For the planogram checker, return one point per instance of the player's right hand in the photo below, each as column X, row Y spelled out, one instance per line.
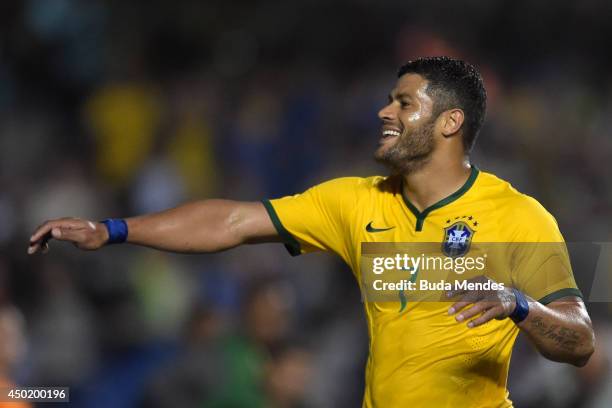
column 87, row 235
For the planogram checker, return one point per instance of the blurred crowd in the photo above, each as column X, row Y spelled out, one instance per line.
column 111, row 109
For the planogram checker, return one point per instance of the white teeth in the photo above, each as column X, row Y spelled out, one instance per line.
column 390, row 133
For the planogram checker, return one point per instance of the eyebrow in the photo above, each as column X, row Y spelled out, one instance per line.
column 402, row 95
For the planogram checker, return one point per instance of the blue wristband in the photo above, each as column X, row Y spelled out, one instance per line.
column 117, row 230
column 522, row 307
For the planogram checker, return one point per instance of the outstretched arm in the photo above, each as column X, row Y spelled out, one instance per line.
column 196, row 227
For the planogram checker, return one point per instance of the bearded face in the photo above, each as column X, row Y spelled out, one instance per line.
column 407, row 133
column 409, row 151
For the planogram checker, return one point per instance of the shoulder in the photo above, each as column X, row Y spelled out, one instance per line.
column 519, row 209
column 518, row 203
column 358, row 185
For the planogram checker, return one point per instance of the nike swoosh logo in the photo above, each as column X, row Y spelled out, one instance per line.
column 370, row 228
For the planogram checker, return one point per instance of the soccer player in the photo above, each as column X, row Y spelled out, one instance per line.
column 427, row 354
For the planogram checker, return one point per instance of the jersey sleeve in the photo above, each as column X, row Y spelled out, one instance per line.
column 541, row 265
column 318, row 219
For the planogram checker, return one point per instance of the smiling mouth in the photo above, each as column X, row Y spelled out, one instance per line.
column 389, row 134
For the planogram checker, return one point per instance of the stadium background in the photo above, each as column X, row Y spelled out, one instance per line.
column 111, row 108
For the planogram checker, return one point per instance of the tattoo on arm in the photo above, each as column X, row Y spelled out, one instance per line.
column 566, row 338
column 507, row 299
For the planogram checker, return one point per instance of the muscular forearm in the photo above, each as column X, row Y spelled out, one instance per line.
column 201, row 226
column 561, row 332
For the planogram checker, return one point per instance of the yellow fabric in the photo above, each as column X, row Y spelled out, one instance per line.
column 420, row 356
column 123, row 119
column 192, row 151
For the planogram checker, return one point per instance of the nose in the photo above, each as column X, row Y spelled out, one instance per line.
column 386, row 113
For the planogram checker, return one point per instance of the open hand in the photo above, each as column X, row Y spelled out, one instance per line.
column 486, row 304
column 83, row 234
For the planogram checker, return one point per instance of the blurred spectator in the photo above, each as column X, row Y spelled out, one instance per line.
column 287, row 377
column 62, row 331
column 124, row 119
column 12, row 348
column 221, row 369
column 189, row 379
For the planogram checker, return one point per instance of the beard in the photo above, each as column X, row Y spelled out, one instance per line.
column 410, row 151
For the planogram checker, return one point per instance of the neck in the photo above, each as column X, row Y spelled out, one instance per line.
column 436, row 180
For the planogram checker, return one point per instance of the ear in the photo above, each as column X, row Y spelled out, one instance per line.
column 452, row 121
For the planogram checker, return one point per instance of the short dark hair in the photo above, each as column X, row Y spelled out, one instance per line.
column 453, row 84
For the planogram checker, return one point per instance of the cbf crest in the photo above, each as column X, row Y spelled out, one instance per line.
column 457, row 239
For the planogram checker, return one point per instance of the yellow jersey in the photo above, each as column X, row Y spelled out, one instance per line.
column 418, row 354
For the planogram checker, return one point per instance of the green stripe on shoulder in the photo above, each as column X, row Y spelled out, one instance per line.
column 292, row 245
column 561, row 294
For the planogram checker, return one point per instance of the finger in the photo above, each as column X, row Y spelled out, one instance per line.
column 44, row 243
column 45, row 231
column 42, row 231
column 33, row 248
column 476, row 309
column 40, row 244
column 467, row 299
column 485, row 317
column 67, row 232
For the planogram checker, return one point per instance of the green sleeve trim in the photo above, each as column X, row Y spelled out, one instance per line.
column 561, row 294
column 292, row 245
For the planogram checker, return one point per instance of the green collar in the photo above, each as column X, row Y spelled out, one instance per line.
column 420, row 215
